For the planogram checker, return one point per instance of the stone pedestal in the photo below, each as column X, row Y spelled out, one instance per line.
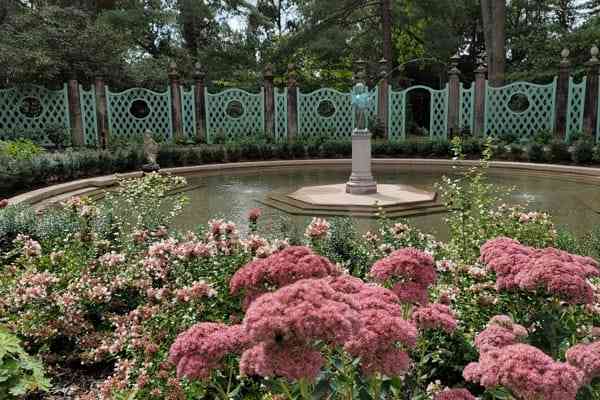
column 361, row 181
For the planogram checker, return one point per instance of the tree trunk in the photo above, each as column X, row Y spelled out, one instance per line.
column 386, row 30
column 499, row 42
column 493, row 17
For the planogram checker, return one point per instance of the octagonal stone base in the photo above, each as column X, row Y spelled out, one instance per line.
column 333, row 200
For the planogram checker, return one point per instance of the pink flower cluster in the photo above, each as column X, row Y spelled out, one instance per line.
column 586, row 357
column 556, row 272
column 254, row 214
column 33, row 286
column 526, row 371
column 435, row 316
column 384, row 336
column 500, row 332
column 3, row 203
column 410, row 271
column 196, row 291
column 31, row 248
column 454, row 394
column 317, row 229
column 200, row 349
column 111, row 259
column 280, row 269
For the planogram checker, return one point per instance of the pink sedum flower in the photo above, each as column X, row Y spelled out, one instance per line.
column 553, row 271
column 292, row 362
column 454, row 394
column 435, row 316
column 586, row 357
column 410, row 271
column 527, row 372
column 302, row 312
column 201, row 349
column 278, row 270
column 500, row 332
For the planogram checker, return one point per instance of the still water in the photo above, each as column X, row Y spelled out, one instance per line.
column 230, row 195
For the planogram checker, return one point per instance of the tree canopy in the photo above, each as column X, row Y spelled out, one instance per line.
column 131, row 42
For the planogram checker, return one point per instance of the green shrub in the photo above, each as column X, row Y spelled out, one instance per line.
column 536, row 153
column 298, row 150
column 234, row 153
column 441, row 148
column 515, row 152
column 250, row 151
column 58, row 135
column 20, row 149
column 281, row 151
column 543, row 137
column 379, row 149
column 313, row 150
column 337, row 148
column 559, row 151
column 20, row 374
column 583, row 151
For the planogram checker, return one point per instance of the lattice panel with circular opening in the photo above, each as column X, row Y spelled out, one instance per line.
column 219, row 123
column 575, row 107
column 342, row 121
column 539, row 116
column 54, row 111
column 188, row 112
column 467, row 107
column 122, row 123
column 281, row 113
column 311, row 123
column 87, row 102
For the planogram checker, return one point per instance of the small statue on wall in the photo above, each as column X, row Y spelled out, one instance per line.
column 150, row 153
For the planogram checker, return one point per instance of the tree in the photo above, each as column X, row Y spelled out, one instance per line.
column 493, row 16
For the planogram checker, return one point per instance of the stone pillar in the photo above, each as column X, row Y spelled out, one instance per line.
column 454, row 97
column 590, row 114
column 75, row 113
column 101, row 111
column 480, row 91
column 200, row 100
column 175, row 101
column 383, row 99
column 292, row 102
column 361, row 180
column 269, row 94
column 562, row 95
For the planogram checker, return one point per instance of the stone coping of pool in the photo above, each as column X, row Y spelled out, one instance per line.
column 585, row 174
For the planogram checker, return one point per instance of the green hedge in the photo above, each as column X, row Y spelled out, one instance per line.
column 48, row 168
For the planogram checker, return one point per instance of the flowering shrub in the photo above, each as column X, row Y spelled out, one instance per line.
column 213, row 314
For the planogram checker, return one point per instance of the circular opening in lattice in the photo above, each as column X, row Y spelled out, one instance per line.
column 235, row 109
column 139, row 109
column 326, row 109
column 518, row 103
column 31, row 107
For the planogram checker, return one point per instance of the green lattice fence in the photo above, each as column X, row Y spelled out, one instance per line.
column 87, row 101
column 329, row 112
column 29, row 110
column 467, row 108
column 575, row 107
column 156, row 116
column 335, row 118
column 438, row 119
column 397, row 114
column 281, row 112
column 536, row 113
column 188, row 112
column 234, row 113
